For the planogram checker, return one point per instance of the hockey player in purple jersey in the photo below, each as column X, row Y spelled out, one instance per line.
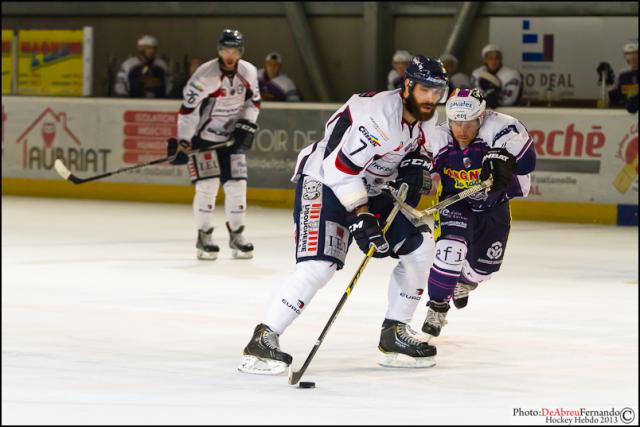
column 471, row 235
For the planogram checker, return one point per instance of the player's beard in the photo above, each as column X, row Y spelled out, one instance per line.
column 414, row 108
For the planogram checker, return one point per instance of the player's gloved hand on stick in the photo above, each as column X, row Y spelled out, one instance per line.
column 243, row 134
column 366, row 230
column 177, row 151
column 604, row 69
column 501, row 164
column 414, row 171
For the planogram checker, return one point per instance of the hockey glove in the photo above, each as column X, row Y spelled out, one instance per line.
column 366, row 230
column 414, row 171
column 604, row 69
column 243, row 134
column 500, row 164
column 177, row 151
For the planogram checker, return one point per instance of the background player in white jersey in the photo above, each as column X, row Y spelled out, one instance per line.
column 371, row 140
column 500, row 85
column 218, row 116
column 471, row 235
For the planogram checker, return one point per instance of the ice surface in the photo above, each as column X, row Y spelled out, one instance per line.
column 107, row 317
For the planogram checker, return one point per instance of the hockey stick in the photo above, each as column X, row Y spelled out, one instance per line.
column 294, row 376
column 65, row 173
column 418, row 216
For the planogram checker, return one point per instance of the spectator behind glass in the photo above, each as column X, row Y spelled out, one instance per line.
column 144, row 75
column 501, row 85
column 400, row 62
column 274, row 85
column 456, row 80
column 625, row 90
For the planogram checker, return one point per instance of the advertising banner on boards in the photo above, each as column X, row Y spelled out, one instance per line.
column 583, row 155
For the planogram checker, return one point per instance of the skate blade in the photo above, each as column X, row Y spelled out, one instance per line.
column 208, row 256
column 397, row 360
column 255, row 365
column 241, row 255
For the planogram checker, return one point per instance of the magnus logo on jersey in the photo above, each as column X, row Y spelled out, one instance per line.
column 463, row 179
column 371, row 138
column 49, row 137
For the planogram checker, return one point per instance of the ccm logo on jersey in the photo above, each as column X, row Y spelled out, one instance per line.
column 371, row 138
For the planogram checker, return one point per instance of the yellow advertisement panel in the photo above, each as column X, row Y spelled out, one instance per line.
column 50, row 62
column 7, row 60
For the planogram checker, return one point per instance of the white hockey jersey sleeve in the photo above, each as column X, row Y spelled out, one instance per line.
column 363, row 143
column 252, row 104
column 198, row 88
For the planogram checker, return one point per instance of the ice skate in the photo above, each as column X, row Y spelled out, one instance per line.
column 263, row 355
column 461, row 294
column 206, row 249
column 436, row 317
column 402, row 347
column 241, row 248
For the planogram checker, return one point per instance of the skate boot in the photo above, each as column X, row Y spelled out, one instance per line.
column 207, row 250
column 402, row 347
column 436, row 317
column 263, row 355
column 461, row 294
column 240, row 247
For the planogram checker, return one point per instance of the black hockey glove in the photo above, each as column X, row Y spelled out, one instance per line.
column 414, row 171
column 177, row 151
column 366, row 230
column 243, row 134
column 604, row 68
column 500, row 164
column 631, row 104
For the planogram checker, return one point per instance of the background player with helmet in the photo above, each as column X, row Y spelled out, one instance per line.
column 144, row 75
column 500, row 85
column 218, row 117
column 471, row 235
column 370, row 141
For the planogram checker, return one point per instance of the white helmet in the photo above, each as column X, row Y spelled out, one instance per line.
column 630, row 47
column 490, row 48
column 401, row 56
column 147, row 40
column 466, row 105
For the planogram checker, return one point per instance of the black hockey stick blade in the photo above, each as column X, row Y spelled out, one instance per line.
column 294, row 376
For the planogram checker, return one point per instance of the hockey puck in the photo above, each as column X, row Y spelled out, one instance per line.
column 307, row 385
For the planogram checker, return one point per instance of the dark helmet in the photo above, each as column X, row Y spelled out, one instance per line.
column 426, row 70
column 231, row 38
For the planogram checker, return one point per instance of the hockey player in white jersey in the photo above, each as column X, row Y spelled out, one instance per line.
column 500, row 85
column 220, row 106
column 471, row 235
column 370, row 141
